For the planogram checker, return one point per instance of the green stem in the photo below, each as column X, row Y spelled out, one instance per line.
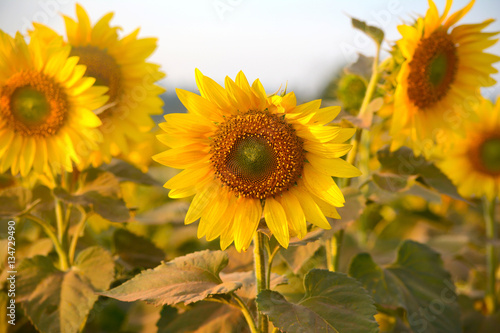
column 79, row 228
column 334, row 245
column 59, row 220
column 270, row 259
column 260, row 275
column 246, row 313
column 491, row 260
column 63, row 258
column 329, row 245
column 370, row 89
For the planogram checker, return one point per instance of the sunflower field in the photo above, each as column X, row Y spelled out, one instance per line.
column 370, row 207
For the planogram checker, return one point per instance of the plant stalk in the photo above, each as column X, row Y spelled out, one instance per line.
column 260, row 276
column 79, row 228
column 246, row 313
column 63, row 258
column 491, row 260
column 334, row 245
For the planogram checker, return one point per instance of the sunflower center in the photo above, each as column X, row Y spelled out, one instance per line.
column 102, row 67
column 432, row 70
column 490, row 155
column 257, row 154
column 33, row 104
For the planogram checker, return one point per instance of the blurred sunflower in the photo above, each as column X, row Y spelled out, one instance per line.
column 246, row 155
column 474, row 163
column 442, row 72
column 119, row 64
column 46, row 118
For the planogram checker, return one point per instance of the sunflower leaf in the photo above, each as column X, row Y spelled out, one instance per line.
column 135, row 250
column 415, row 282
column 111, row 208
column 127, row 172
column 375, row 33
column 333, row 302
column 186, row 279
column 57, row 301
column 202, row 317
column 404, row 163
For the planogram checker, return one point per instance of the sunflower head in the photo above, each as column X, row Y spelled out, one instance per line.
column 120, row 65
column 474, row 162
column 445, row 65
column 46, row 118
column 247, row 156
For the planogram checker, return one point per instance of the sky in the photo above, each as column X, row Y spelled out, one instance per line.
column 283, row 42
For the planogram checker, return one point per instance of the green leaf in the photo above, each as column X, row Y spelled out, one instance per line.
column 127, row 172
column 137, row 251
column 333, row 302
column 415, row 282
column 297, row 256
column 202, row 317
column 186, row 279
column 248, row 290
column 96, row 257
column 57, row 301
column 375, row 33
column 111, row 208
column 390, row 182
column 17, row 200
column 402, row 162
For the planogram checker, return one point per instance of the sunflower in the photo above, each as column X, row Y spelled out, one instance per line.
column 120, row 64
column 474, row 163
column 246, row 155
column 440, row 77
column 46, row 118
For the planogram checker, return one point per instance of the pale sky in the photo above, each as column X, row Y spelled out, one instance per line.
column 280, row 41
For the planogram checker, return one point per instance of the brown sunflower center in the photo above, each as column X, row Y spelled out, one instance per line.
column 257, row 154
column 487, row 156
column 432, row 70
column 33, row 104
column 102, row 67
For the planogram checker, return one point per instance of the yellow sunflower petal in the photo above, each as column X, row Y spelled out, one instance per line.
column 246, row 219
column 276, row 220
column 335, row 167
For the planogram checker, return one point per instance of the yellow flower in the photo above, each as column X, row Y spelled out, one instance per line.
column 474, row 162
column 440, row 77
column 119, row 64
column 46, row 118
column 246, row 155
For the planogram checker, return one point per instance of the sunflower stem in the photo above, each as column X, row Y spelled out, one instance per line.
column 491, row 260
column 260, row 275
column 63, row 258
column 270, row 256
column 59, row 220
column 370, row 89
column 246, row 313
column 334, row 245
column 79, row 228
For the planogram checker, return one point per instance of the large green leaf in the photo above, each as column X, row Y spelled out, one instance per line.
column 186, row 279
column 415, row 282
column 202, row 317
column 127, row 172
column 111, row 208
column 375, row 33
column 57, row 301
column 137, row 251
column 404, row 163
column 333, row 302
